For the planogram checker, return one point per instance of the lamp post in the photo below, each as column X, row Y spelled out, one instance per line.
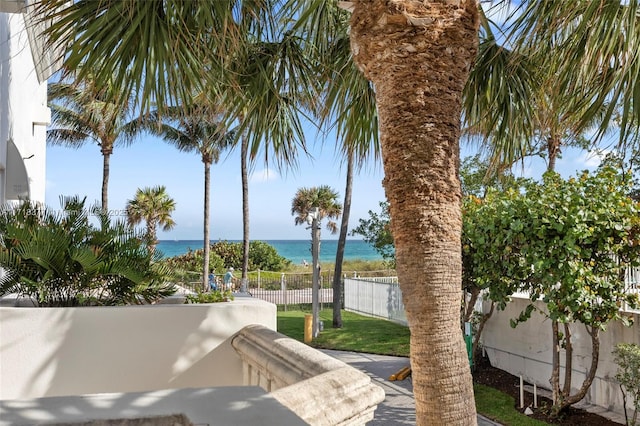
column 313, row 219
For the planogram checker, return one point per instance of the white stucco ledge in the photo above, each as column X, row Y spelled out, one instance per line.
column 220, row 406
column 320, row 389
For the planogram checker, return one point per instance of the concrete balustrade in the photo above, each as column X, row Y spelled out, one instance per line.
column 318, row 388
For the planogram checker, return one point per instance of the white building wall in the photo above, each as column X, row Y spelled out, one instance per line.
column 23, row 106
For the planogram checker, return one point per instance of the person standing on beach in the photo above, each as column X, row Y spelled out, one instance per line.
column 228, row 279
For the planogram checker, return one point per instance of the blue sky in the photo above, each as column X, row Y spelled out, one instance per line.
column 150, row 162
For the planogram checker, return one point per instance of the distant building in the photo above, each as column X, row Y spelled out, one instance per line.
column 24, row 114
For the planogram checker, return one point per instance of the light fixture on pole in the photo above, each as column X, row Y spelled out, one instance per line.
column 313, row 219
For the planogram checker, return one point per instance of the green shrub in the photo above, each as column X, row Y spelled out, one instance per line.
column 58, row 258
column 192, row 261
column 627, row 356
column 210, row 297
column 226, row 254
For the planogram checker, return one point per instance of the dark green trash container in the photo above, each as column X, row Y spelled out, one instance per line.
column 468, row 339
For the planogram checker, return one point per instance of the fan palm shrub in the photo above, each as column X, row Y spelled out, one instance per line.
column 59, row 258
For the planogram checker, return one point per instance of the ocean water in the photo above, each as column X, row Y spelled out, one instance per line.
column 295, row 250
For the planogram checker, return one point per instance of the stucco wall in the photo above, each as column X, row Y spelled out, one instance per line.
column 72, row 351
column 526, row 350
column 23, row 104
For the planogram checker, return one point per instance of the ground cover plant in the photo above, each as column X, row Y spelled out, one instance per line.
column 627, row 356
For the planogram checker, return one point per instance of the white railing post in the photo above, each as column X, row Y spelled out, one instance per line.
column 283, row 288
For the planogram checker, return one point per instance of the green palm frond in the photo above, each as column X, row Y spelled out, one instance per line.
column 272, row 82
column 598, row 41
column 160, row 50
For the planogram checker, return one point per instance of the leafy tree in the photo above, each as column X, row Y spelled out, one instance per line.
column 377, row 232
column 84, row 111
column 567, row 244
column 197, row 127
column 154, row 206
column 57, row 258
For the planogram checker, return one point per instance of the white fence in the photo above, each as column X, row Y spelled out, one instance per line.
column 379, row 297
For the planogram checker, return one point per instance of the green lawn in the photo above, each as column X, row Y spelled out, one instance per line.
column 500, row 407
column 359, row 333
column 373, row 335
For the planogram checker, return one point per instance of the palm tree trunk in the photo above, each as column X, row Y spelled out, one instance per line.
column 553, row 149
column 342, row 240
column 152, row 225
column 106, row 156
column 244, row 157
column 206, row 246
column 418, row 56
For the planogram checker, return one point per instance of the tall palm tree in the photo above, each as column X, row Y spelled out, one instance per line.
column 349, row 107
column 322, row 197
column 418, row 56
column 265, row 86
column 196, row 128
column 153, row 206
column 598, row 41
column 83, row 111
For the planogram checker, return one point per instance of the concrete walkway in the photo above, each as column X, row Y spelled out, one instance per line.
column 398, row 408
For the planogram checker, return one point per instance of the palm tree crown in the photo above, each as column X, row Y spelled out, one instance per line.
column 83, row 111
column 154, row 206
column 322, row 197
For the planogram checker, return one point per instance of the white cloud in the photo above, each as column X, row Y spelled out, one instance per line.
column 264, row 175
column 593, row 159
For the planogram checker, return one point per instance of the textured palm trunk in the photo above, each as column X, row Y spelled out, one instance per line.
column 342, row 240
column 418, row 55
column 553, row 150
column 244, row 157
column 206, row 246
column 152, row 226
column 106, row 157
